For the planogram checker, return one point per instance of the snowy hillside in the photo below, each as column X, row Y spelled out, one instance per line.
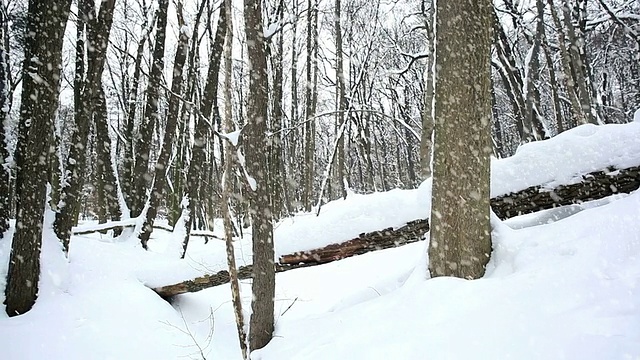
column 566, row 289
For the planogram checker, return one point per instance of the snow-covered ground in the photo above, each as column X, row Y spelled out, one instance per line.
column 562, row 284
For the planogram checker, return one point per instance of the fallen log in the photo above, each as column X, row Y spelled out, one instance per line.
column 366, row 242
column 595, row 185
column 377, row 240
column 130, row 223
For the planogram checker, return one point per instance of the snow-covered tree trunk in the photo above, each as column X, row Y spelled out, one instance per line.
column 4, row 113
column 107, row 186
column 39, row 102
column 141, row 178
column 208, row 109
column 128, row 158
column 255, row 142
column 276, row 173
column 341, row 106
column 578, row 115
column 97, row 37
column 460, row 233
column 160, row 171
column 229, row 164
column 578, row 70
column 310, row 110
column 426, row 143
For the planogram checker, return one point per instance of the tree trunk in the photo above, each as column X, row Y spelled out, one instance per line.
column 98, row 29
column 40, row 90
column 426, row 144
column 275, row 149
column 128, row 161
column 340, row 172
column 160, row 173
column 208, row 108
column 229, row 164
column 578, row 115
column 141, row 176
column 460, row 237
column 309, row 125
column 5, row 175
column 107, row 183
column 263, row 287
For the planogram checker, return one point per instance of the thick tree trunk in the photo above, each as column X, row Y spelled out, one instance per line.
column 255, row 142
column 40, row 90
column 460, row 238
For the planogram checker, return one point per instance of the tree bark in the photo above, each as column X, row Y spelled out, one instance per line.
column 426, row 144
column 208, row 108
column 227, row 178
column 5, row 175
column 309, row 125
column 97, row 36
column 275, row 139
column 460, row 237
column 107, row 185
column 41, row 78
column 341, row 105
column 263, row 287
column 160, row 172
column 128, row 161
column 141, row 176
column 578, row 115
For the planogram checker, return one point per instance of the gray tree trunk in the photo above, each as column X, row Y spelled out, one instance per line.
column 4, row 108
column 160, row 171
column 263, row 287
column 141, row 177
column 426, row 144
column 310, row 125
column 97, row 36
column 128, row 160
column 208, row 108
column 460, row 237
column 229, row 164
column 40, row 90
column 340, row 172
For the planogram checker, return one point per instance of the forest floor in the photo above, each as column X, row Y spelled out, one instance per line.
column 561, row 284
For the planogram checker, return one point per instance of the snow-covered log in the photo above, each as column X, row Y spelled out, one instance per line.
column 595, row 185
column 366, row 242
